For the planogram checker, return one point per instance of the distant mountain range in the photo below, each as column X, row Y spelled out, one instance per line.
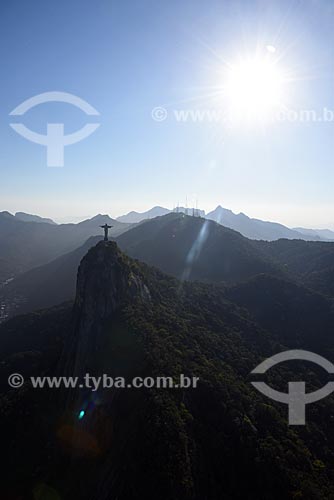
column 133, row 217
column 325, row 234
column 254, row 229
column 251, row 228
column 188, row 248
column 25, row 244
column 28, row 241
column 44, row 286
column 32, row 218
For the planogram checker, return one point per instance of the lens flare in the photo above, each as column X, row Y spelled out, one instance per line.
column 81, row 414
column 254, row 89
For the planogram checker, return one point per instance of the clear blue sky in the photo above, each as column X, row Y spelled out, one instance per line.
column 127, row 57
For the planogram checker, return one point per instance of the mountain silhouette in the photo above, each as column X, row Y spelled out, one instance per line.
column 192, row 248
column 33, row 218
column 188, row 248
column 324, row 234
column 134, row 217
column 256, row 229
column 251, row 228
column 24, row 245
column 45, row 286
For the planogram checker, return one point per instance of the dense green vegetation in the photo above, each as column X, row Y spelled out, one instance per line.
column 310, row 263
column 222, row 440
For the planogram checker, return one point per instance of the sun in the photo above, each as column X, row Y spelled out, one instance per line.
column 254, row 88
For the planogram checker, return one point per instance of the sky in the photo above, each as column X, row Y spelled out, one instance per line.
column 128, row 58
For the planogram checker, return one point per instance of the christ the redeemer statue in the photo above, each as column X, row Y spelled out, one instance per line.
column 106, row 229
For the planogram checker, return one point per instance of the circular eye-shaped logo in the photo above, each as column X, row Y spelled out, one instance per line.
column 296, row 398
column 55, row 140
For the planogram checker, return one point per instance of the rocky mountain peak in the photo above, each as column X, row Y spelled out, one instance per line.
column 107, row 281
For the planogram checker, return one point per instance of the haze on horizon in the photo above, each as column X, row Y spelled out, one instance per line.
column 179, row 56
column 80, row 218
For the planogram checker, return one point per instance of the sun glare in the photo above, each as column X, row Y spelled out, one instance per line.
column 254, row 89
